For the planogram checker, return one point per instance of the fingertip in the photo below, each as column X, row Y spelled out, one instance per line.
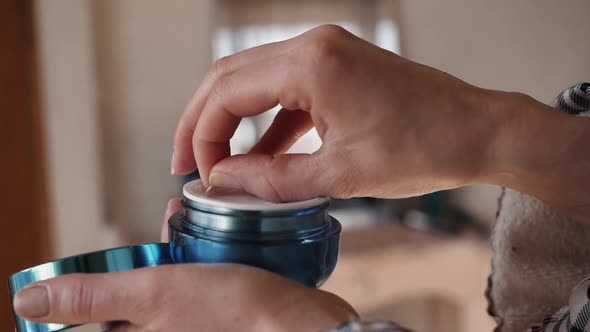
column 229, row 165
column 174, row 205
column 164, row 236
column 207, row 154
column 282, row 178
column 32, row 301
column 205, row 179
column 182, row 163
column 223, row 180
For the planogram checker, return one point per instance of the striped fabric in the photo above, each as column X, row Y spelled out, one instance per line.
column 576, row 100
column 575, row 318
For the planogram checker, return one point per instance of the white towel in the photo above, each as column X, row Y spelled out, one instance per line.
column 539, row 254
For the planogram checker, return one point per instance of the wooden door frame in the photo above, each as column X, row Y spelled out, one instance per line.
column 27, row 238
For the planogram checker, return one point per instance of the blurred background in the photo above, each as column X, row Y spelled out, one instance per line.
column 92, row 91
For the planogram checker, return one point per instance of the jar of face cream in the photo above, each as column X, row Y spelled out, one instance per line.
column 297, row 240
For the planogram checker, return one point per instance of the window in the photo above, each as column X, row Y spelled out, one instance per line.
column 242, row 24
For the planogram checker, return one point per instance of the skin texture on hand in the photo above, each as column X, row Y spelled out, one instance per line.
column 184, row 298
column 542, row 152
column 390, row 128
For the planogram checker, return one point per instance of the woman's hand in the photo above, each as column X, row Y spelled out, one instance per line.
column 184, row 298
column 390, row 127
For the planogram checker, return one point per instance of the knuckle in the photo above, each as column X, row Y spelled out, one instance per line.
column 319, row 51
column 265, row 185
column 154, row 294
column 221, row 86
column 291, row 99
column 78, row 299
column 274, row 190
column 151, row 284
column 270, row 192
column 220, row 67
column 330, row 31
column 324, row 53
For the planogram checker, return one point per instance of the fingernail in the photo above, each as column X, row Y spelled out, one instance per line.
column 217, row 179
column 172, row 170
column 173, row 201
column 32, row 302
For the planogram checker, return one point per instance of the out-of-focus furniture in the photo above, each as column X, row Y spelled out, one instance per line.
column 426, row 282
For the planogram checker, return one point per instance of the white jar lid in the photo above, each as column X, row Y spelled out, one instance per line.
column 240, row 200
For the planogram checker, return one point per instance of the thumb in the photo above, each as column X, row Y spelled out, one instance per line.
column 280, row 178
column 92, row 298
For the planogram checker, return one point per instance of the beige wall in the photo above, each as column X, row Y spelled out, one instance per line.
column 539, row 47
column 534, row 46
column 116, row 76
column 68, row 87
column 151, row 57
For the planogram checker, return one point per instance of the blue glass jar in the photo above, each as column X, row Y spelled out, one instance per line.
column 297, row 240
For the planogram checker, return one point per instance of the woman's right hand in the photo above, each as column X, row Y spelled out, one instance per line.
column 389, row 127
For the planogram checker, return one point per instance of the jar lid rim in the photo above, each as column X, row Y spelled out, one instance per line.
column 234, row 199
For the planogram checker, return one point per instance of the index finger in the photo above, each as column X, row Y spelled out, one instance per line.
column 184, row 161
column 91, row 298
column 247, row 92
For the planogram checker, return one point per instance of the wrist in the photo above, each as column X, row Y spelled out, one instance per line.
column 484, row 133
column 509, row 143
column 525, row 145
column 538, row 150
column 515, row 149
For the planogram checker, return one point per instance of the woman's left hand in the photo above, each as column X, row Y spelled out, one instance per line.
column 187, row 297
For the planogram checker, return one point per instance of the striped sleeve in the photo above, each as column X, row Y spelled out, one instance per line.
column 575, row 317
column 575, row 100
